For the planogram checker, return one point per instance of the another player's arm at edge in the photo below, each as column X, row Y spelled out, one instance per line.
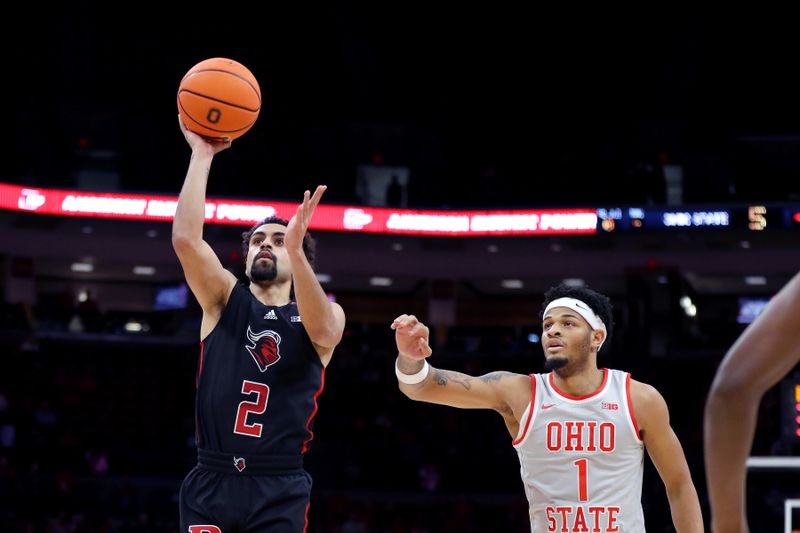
column 759, row 359
column 207, row 278
column 664, row 448
column 495, row 390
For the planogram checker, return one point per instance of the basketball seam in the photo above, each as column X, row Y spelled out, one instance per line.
column 256, row 90
column 218, row 100
column 212, row 129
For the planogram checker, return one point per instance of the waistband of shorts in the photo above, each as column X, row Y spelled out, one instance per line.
column 249, row 464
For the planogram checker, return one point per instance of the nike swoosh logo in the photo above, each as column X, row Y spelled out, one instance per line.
column 547, row 406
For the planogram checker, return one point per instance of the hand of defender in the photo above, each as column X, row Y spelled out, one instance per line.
column 412, row 337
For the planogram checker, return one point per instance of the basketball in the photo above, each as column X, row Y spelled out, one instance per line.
column 219, row 99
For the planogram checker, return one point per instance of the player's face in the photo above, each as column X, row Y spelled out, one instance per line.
column 566, row 338
column 266, row 255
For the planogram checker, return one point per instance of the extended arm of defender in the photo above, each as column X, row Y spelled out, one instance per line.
column 208, row 279
column 447, row 387
column 765, row 353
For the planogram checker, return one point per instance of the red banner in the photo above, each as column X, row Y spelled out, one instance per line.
column 326, row 217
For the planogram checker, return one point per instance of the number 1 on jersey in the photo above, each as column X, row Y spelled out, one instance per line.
column 583, row 479
column 258, row 407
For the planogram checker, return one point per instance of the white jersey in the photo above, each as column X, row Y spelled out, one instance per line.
column 581, row 458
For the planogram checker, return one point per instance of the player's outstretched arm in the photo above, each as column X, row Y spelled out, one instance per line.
column 208, row 279
column 446, row 387
column 766, row 351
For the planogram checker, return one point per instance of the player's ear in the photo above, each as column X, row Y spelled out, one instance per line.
column 598, row 337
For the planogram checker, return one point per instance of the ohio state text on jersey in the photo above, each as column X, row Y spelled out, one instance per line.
column 581, row 458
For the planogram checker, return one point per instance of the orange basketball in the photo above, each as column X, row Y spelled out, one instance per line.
column 219, row 99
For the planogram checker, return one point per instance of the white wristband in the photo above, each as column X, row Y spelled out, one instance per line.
column 412, row 379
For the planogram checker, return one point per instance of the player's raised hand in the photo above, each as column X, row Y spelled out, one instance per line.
column 298, row 225
column 200, row 145
column 412, row 337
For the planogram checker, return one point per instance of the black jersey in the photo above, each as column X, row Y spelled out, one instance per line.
column 258, row 380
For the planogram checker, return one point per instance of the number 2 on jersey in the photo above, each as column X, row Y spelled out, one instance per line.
column 257, row 407
column 583, row 479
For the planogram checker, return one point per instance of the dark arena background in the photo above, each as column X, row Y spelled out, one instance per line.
column 474, row 157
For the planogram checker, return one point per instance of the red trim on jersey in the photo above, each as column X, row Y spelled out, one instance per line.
column 569, row 396
column 200, row 367
column 630, row 405
column 197, row 384
column 530, row 412
column 305, row 527
column 304, row 448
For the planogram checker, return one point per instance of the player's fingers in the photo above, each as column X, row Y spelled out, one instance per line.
column 320, row 190
column 403, row 322
column 424, row 348
column 398, row 321
column 187, row 133
column 411, row 329
column 307, row 208
column 419, row 330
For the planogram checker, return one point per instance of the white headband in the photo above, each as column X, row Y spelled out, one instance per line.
column 579, row 307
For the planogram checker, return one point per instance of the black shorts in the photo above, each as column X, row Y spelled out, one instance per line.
column 218, row 498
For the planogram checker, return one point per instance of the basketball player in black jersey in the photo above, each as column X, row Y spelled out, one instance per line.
column 261, row 369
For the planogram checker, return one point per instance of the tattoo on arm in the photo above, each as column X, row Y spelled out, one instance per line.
column 495, row 376
column 443, row 377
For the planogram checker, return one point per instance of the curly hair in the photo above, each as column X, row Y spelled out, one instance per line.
column 309, row 244
column 599, row 303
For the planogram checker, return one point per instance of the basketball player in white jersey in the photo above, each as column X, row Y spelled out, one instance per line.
column 579, row 431
column 766, row 351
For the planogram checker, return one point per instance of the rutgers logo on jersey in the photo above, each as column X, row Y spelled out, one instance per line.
column 264, row 349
